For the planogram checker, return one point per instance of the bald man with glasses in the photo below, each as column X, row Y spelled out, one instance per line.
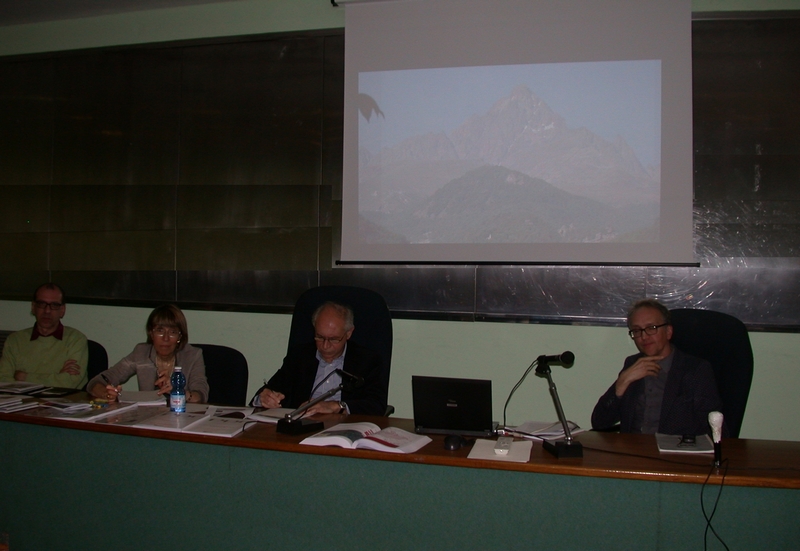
column 309, row 370
column 47, row 353
column 660, row 389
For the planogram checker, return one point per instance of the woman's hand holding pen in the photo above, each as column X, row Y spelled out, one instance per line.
column 111, row 392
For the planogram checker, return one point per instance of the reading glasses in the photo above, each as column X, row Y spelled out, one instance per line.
column 42, row 305
column 171, row 333
column 330, row 340
column 649, row 330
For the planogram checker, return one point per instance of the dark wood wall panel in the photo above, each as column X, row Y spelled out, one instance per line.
column 24, row 209
column 211, row 174
column 26, row 122
column 113, row 250
column 134, row 287
column 253, row 206
column 117, row 118
column 251, row 113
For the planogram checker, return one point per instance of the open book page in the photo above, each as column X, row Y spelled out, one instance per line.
column 270, row 415
column 671, row 443
column 368, row 436
column 169, row 420
column 130, row 416
column 344, row 435
column 393, row 440
column 143, row 397
column 540, row 430
column 67, row 406
column 229, row 412
column 90, row 415
column 217, row 426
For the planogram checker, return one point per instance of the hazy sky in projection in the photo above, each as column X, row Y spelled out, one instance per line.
column 610, row 98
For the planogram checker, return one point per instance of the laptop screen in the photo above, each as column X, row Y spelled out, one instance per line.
column 444, row 405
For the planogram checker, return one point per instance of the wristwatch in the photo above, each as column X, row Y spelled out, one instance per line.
column 342, row 407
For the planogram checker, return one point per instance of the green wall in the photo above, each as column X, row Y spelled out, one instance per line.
column 497, row 351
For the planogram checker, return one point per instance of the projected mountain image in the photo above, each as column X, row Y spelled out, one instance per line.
column 493, row 204
column 516, row 173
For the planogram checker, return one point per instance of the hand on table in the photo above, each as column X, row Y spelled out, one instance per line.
column 323, row 408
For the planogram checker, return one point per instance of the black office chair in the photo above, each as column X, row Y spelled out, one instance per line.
column 372, row 319
column 98, row 360
column 227, row 374
column 723, row 341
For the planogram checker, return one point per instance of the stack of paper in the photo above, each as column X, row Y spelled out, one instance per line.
column 10, row 404
column 19, row 387
column 66, row 406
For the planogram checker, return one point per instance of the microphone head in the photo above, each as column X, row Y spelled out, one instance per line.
column 568, row 358
column 715, row 419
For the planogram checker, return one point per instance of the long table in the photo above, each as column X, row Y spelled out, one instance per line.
column 96, row 487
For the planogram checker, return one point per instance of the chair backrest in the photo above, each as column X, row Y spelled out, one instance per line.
column 98, row 359
column 372, row 319
column 723, row 341
column 227, row 374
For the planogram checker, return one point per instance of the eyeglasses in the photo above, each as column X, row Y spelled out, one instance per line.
column 41, row 305
column 163, row 331
column 330, row 340
column 649, row 330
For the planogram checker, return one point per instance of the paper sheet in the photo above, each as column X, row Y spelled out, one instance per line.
column 520, row 451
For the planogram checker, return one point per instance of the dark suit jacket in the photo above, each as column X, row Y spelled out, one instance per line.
column 690, row 394
column 295, row 379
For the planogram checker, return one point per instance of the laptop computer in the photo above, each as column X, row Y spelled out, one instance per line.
column 445, row 405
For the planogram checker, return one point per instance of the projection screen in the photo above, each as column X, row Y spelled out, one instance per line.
column 518, row 131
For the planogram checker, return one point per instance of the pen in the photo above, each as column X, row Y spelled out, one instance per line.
column 103, row 375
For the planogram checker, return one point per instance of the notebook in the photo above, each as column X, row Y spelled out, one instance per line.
column 444, row 405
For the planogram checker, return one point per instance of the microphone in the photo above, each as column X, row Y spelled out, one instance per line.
column 355, row 378
column 715, row 419
column 566, row 358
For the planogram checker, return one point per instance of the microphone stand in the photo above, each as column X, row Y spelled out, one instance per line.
column 560, row 448
column 293, row 424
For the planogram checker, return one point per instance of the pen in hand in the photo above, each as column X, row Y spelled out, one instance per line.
column 116, row 389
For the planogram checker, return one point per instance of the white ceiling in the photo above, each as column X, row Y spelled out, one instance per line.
column 17, row 12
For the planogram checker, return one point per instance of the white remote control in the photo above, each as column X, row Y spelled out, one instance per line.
column 503, row 445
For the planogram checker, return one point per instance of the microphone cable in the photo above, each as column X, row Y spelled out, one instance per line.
column 516, row 386
column 716, row 502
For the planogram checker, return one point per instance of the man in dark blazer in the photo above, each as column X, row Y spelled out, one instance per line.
column 661, row 389
column 310, row 369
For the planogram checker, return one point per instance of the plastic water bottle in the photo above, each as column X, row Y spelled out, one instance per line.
column 177, row 396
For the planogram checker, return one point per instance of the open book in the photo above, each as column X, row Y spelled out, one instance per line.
column 194, row 423
column 368, row 436
column 270, row 415
column 670, row 443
